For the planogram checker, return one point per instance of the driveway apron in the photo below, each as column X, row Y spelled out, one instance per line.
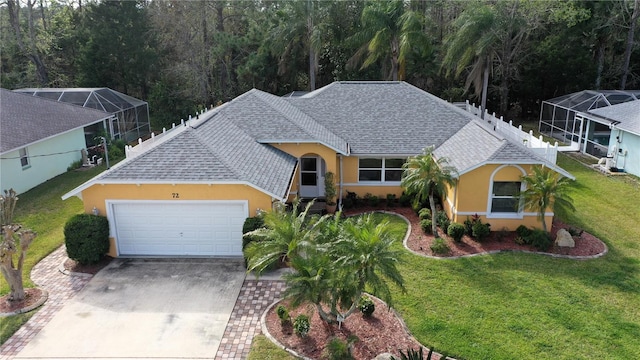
column 145, row 308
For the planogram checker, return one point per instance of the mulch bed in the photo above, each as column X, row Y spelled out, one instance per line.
column 382, row 332
column 418, row 241
column 74, row 266
column 32, row 296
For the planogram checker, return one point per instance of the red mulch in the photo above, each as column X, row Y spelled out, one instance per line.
column 74, row 266
column 586, row 244
column 380, row 333
column 32, row 296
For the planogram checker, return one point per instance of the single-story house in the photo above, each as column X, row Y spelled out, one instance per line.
column 623, row 122
column 40, row 138
column 189, row 194
column 131, row 116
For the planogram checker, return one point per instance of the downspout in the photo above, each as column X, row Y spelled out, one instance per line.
column 340, row 187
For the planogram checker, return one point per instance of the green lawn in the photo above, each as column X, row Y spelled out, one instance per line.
column 520, row 306
column 42, row 210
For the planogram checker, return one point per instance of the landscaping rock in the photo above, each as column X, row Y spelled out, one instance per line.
column 384, row 356
column 564, row 239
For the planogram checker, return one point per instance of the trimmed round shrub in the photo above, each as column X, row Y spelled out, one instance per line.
column 366, row 306
column 426, row 226
column 301, row 325
column 424, row 213
column 480, row 231
column 456, row 231
column 87, row 238
column 439, row 246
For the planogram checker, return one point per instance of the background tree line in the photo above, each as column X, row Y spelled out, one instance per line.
column 183, row 55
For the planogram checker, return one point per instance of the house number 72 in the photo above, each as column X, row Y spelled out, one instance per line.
column 175, row 195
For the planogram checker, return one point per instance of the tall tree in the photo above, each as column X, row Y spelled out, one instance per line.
column 546, row 189
column 388, row 33
column 28, row 44
column 629, row 44
column 493, row 38
column 119, row 48
column 426, row 177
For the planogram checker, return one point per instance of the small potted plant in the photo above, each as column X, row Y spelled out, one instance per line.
column 330, row 191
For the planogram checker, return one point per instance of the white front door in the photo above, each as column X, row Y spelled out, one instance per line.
column 311, row 179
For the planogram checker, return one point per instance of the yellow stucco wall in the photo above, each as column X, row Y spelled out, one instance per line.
column 97, row 195
column 471, row 196
column 350, row 167
column 299, row 150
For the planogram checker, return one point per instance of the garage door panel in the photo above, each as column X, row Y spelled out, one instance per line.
column 179, row 229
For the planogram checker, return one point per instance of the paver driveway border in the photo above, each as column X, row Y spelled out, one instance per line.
column 244, row 323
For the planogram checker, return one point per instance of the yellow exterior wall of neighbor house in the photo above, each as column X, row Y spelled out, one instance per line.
column 471, row 196
column 97, row 195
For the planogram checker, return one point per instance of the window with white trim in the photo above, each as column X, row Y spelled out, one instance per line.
column 24, row 157
column 505, row 197
column 380, row 169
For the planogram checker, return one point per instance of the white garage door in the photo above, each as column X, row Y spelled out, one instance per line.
column 157, row 228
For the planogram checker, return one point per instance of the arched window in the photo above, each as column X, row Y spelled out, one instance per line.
column 504, row 192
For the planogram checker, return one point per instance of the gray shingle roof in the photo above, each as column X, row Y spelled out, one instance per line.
column 27, row 119
column 475, row 144
column 215, row 151
column 383, row 117
column 379, row 118
column 626, row 116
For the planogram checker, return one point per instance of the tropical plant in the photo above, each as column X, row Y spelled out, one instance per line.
column 334, row 271
column 426, row 177
column 330, row 188
column 546, row 189
column 390, row 31
column 301, row 325
column 366, row 306
column 286, row 234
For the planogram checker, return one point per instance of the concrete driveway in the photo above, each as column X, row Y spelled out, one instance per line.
column 145, row 308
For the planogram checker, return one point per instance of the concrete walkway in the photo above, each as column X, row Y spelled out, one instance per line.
column 255, row 296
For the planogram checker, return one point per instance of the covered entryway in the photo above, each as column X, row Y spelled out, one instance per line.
column 178, row 228
column 312, row 169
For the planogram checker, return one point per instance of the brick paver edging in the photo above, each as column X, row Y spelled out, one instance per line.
column 60, row 287
column 244, row 322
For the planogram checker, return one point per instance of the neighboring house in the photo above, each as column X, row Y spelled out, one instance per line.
column 623, row 122
column 561, row 118
column 40, row 138
column 131, row 120
column 190, row 191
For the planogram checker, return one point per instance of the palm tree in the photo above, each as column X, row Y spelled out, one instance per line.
column 299, row 29
column 425, row 177
column 546, row 189
column 285, row 235
column 491, row 37
column 473, row 44
column 389, row 32
column 335, row 271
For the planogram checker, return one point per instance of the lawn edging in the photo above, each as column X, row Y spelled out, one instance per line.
column 492, row 252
